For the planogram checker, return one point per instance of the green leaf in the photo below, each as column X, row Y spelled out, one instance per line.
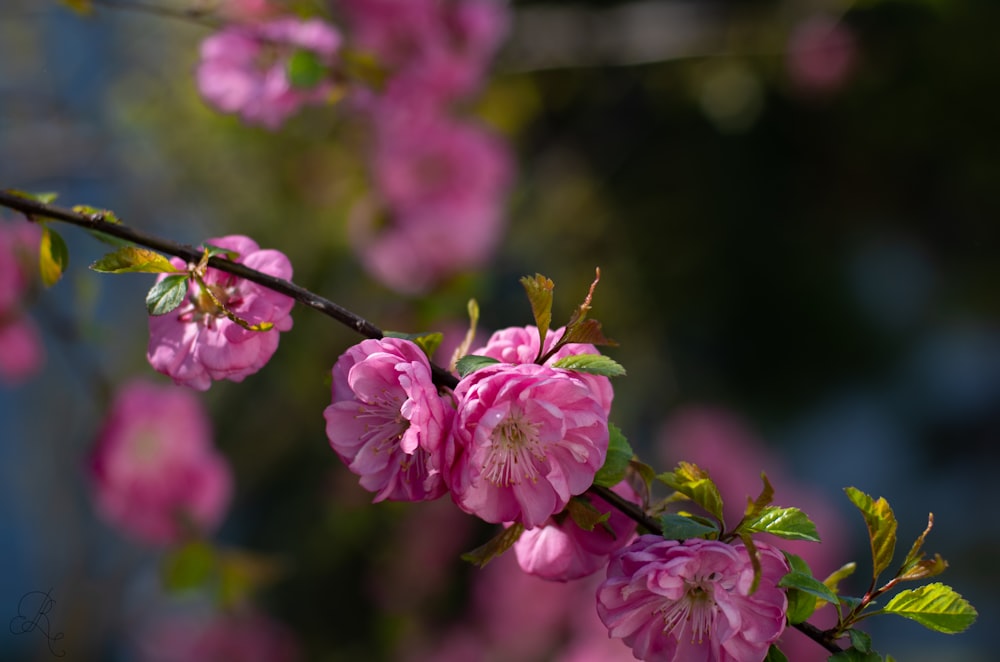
column 763, row 500
column 787, row 523
column 46, row 198
column 617, row 460
column 495, row 546
column 95, row 214
column 472, row 362
column 241, row 574
column 305, row 69
column 53, row 256
column 775, row 655
column 214, row 251
column 593, row 364
column 539, row 289
column 428, row 342
column 190, row 566
column 679, row 527
column 470, row 335
column 133, row 259
column 838, row 575
column 585, row 514
column 881, row 525
column 646, row 472
column 861, row 641
column 81, row 7
column 167, row 294
column 806, row 583
column 694, row 483
column 801, row 605
column 935, row 606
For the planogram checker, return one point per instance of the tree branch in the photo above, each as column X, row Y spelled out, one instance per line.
column 36, row 211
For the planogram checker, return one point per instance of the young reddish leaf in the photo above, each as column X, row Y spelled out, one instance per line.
column 167, row 294
column 470, row 335
column 585, row 515
column 763, row 499
column 539, row 289
column 495, row 546
column 133, row 259
column 53, row 256
column 881, row 523
column 915, row 566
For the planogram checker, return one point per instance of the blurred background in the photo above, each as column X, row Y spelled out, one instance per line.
column 794, row 208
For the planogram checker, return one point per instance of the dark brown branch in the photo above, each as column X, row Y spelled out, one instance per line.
column 36, row 210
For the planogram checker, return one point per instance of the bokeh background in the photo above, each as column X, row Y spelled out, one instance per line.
column 794, row 207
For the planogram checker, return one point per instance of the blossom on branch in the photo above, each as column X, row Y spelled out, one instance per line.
column 21, row 350
column 387, row 421
column 525, row 439
column 678, row 601
column 155, row 474
column 561, row 550
column 248, row 68
column 197, row 342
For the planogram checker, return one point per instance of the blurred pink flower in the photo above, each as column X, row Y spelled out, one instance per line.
column 244, row 68
column 720, row 442
column 691, row 600
column 153, row 469
column 248, row 10
column 518, row 344
column 525, row 439
column 235, row 637
column 560, row 550
column 446, row 45
column 822, row 52
column 387, row 421
column 197, row 343
column 21, row 351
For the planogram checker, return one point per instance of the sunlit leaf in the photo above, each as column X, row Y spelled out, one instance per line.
column 428, row 342
column 167, row 294
column 763, row 500
column 935, row 606
column 53, row 256
column 881, row 523
column 133, row 259
column 593, row 364
column 808, row 584
column 616, row 462
column 787, row 523
column 695, row 483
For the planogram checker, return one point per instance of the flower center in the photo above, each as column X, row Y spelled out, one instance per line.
column 695, row 610
column 384, row 422
column 513, row 451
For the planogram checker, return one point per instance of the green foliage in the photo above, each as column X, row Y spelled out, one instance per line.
column 539, row 289
column 53, row 256
column 133, row 259
column 695, row 484
column 838, row 575
column 774, row 654
column 188, row 567
column 802, row 580
column 861, row 641
column 470, row 336
column 495, row 546
column 585, row 514
column 787, row 523
column 428, row 341
column 682, row 527
column 103, row 215
column 167, row 294
column 881, row 523
column 210, row 293
column 854, row 655
column 617, row 461
column 472, row 362
column 594, row 364
column 935, row 606
column 305, row 69
column 801, row 604
column 915, row 566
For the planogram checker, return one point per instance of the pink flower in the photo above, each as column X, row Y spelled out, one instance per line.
column 822, row 52
column 679, row 601
column 525, row 439
column 387, row 421
column 244, row 68
column 520, row 345
column 197, row 343
column 560, row 550
column 21, row 350
column 154, row 471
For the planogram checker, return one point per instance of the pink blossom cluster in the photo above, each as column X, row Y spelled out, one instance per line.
column 197, row 342
column 513, row 443
column 440, row 180
column 155, row 473
column 21, row 350
column 244, row 67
